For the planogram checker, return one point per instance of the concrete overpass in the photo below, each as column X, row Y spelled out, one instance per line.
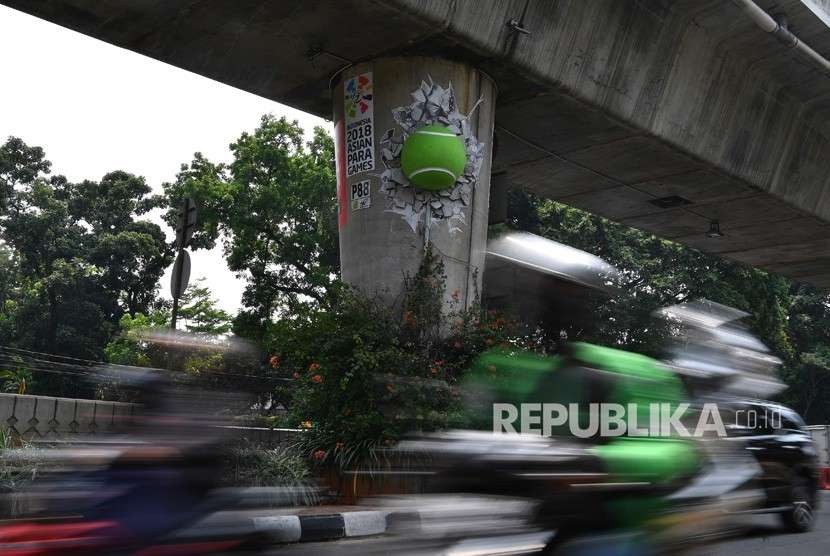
column 660, row 114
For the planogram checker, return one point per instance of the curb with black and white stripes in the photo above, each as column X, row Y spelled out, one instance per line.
column 308, row 528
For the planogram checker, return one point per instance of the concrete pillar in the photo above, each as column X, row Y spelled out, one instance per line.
column 384, row 221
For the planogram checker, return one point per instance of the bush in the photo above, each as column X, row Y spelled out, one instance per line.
column 18, row 469
column 365, row 374
column 250, row 466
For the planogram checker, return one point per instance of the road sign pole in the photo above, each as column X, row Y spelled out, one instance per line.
column 178, row 269
column 185, row 226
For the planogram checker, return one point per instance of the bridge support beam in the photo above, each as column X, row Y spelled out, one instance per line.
column 385, row 221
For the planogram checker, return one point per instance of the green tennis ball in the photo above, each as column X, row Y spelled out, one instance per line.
column 433, row 157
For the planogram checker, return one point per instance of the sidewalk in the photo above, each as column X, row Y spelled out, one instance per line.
column 306, row 524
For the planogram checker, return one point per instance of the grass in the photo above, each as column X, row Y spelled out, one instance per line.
column 15, row 472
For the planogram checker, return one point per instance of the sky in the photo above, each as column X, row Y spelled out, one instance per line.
column 94, row 108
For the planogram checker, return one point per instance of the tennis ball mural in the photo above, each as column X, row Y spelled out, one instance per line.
column 433, row 157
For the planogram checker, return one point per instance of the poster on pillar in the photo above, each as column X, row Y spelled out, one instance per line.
column 360, row 126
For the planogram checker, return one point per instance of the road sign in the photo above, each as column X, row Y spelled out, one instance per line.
column 185, row 223
column 181, row 275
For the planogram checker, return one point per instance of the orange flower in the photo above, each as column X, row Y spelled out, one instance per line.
column 319, row 455
column 316, row 379
column 274, row 361
column 433, row 370
column 306, row 424
column 314, row 367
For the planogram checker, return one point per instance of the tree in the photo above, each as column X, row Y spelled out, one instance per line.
column 132, row 260
column 810, row 381
column 199, row 312
column 10, row 295
column 275, row 206
column 129, row 347
column 19, row 165
column 792, row 319
column 133, row 254
column 656, row 273
column 78, row 255
column 199, row 315
column 65, row 310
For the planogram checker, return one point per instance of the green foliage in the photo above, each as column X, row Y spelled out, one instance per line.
column 132, row 261
column 199, row 313
column 129, row 347
column 76, row 256
column 809, row 378
column 214, row 361
column 19, row 164
column 19, row 467
column 16, row 379
column 366, row 374
column 275, row 206
column 253, row 466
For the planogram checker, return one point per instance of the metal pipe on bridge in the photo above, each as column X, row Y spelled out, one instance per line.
column 779, row 31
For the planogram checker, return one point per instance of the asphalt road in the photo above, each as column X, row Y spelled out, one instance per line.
column 760, row 536
column 764, row 537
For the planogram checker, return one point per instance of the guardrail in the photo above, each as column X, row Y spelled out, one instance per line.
column 39, row 417
column 54, row 420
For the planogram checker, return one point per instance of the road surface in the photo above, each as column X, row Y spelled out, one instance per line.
column 766, row 538
column 763, row 536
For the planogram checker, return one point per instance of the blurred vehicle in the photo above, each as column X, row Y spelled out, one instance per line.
column 146, row 491
column 598, row 493
column 778, row 439
column 655, row 492
column 587, row 490
column 722, row 361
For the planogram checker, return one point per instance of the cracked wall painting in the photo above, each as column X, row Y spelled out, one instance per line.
column 432, row 104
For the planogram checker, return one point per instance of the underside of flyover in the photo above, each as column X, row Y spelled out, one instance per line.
column 663, row 115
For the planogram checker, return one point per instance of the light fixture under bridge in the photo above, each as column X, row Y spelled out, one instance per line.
column 714, row 229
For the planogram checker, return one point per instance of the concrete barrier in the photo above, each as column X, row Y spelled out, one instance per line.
column 45, row 417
